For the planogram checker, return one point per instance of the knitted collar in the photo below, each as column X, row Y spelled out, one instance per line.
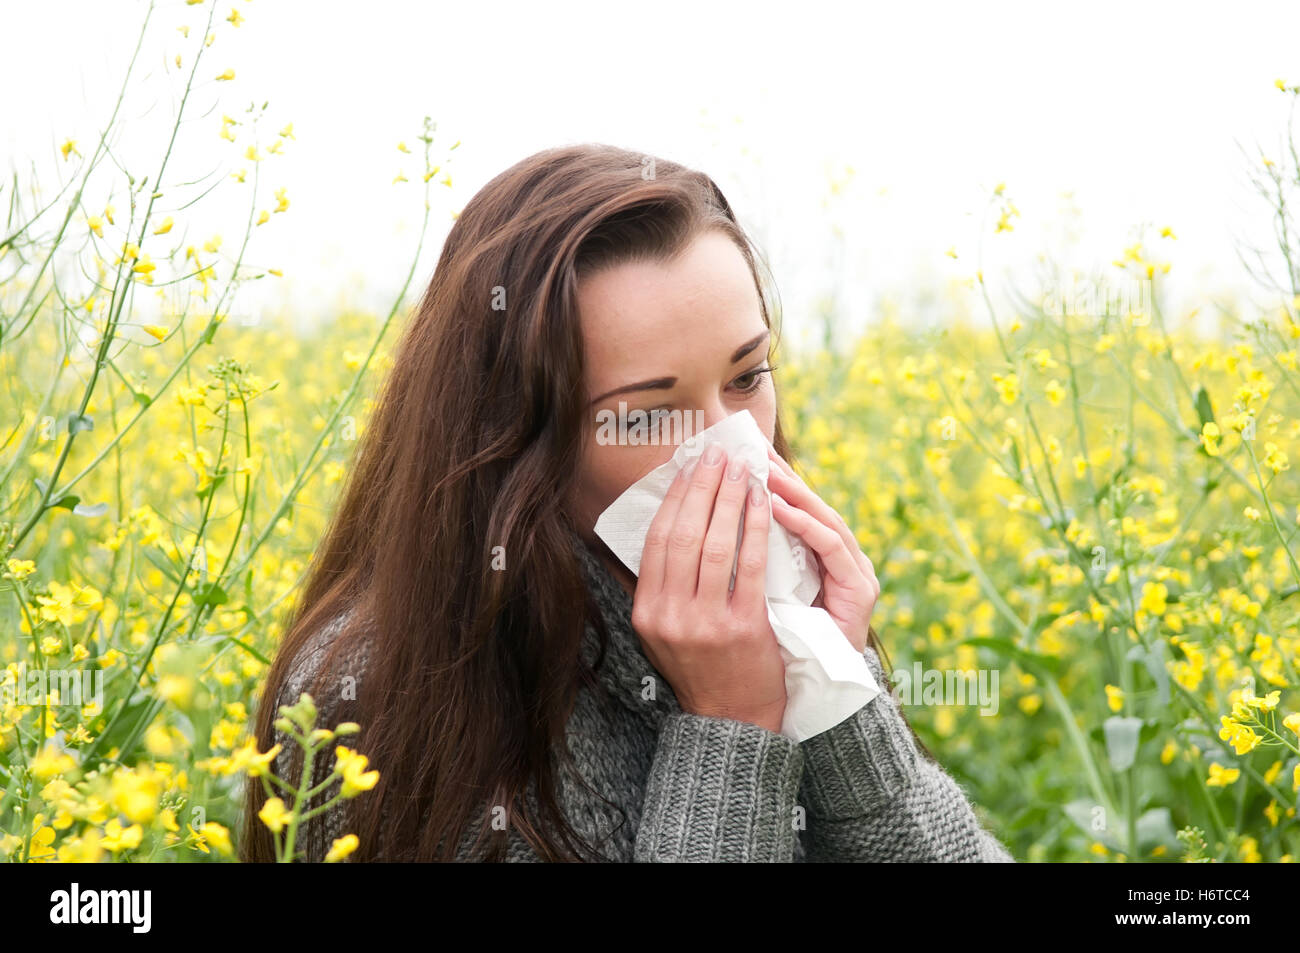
column 627, row 675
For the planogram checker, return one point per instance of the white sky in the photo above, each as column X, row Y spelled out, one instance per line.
column 1137, row 109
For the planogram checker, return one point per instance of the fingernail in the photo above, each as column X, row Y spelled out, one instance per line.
column 713, row 454
column 756, row 496
column 736, row 470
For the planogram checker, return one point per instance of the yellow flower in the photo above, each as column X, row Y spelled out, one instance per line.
column 247, row 759
column 1008, row 387
column 118, row 839
column 177, row 689
column 42, row 843
column 282, row 201
column 1275, row 459
column 353, row 768
column 264, row 217
column 1055, row 392
column 50, row 761
column 1271, row 774
column 135, row 793
column 1242, row 737
column 228, row 74
column 1248, row 852
column 235, row 17
column 156, row 330
column 341, row 848
column 1221, row 777
column 1153, row 598
column 1267, row 703
column 274, row 815
column 96, row 225
column 1292, row 721
column 164, row 227
column 1114, row 697
column 69, row 146
column 85, row 849
column 218, row 836
column 1210, row 438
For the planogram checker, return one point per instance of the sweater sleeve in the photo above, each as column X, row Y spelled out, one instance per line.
column 872, row 796
column 719, row 790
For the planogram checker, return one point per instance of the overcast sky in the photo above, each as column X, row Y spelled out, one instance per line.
column 1128, row 112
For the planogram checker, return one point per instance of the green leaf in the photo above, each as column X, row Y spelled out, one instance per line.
column 210, row 594
column 211, row 488
column 1203, row 408
column 1026, row 657
column 1122, row 741
column 1156, row 827
column 1083, row 812
column 1154, row 661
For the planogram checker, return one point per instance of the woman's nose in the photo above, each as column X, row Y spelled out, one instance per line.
column 714, row 414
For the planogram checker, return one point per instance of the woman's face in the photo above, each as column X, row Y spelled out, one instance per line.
column 687, row 335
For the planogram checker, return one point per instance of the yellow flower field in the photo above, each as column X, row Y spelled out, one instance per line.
column 1100, row 505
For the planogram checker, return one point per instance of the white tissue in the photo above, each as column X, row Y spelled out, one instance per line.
column 826, row 679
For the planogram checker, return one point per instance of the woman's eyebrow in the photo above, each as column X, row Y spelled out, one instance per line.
column 668, row 383
column 658, row 383
column 748, row 346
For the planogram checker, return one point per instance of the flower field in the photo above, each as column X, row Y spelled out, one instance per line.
column 1096, row 503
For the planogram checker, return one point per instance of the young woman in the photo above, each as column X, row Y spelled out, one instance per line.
column 524, row 696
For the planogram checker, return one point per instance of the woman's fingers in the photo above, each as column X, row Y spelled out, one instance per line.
column 686, row 538
column 826, row 542
column 654, row 553
column 719, row 551
column 801, row 494
column 783, row 480
column 751, row 564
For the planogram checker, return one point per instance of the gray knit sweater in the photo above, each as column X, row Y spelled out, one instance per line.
column 699, row 788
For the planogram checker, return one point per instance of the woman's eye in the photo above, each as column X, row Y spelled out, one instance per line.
column 754, row 378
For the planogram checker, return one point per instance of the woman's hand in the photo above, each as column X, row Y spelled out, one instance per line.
column 849, row 585
column 716, row 648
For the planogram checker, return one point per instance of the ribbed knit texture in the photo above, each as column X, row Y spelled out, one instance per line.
column 687, row 787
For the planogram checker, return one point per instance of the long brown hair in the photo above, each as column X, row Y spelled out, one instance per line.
column 473, row 444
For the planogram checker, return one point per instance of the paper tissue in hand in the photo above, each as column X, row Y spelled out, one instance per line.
column 826, row 679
